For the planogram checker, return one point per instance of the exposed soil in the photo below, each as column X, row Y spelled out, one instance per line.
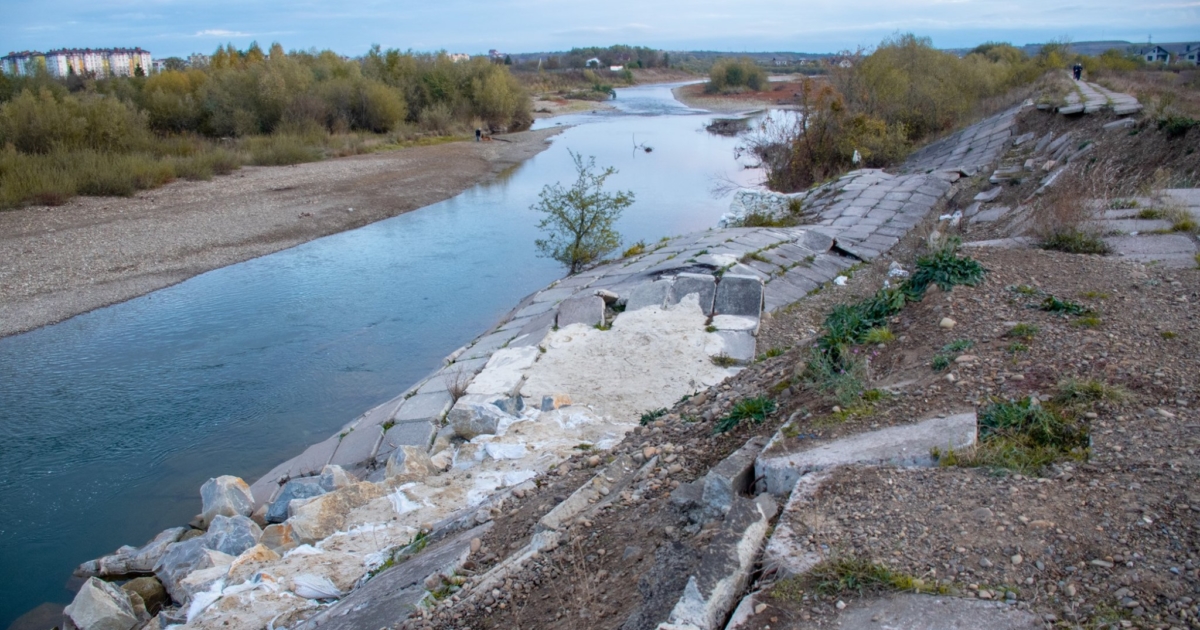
column 779, row 94
column 1110, row 541
column 57, row 262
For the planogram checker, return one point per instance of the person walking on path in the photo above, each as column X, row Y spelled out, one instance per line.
column 1077, row 69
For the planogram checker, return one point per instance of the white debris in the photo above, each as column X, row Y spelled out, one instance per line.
column 840, row 281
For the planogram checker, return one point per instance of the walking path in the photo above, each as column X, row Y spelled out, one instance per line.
column 1089, row 98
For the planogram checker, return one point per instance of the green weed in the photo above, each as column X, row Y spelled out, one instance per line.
column 1021, row 436
column 770, row 354
column 1023, row 331
column 1168, row 334
column 1093, row 295
column 878, row 335
column 635, row 249
column 1016, row 347
column 1054, row 305
column 1075, row 241
column 724, row 360
column 652, row 415
column 754, row 409
column 1078, row 392
column 1025, row 289
column 1152, row 214
column 1088, row 321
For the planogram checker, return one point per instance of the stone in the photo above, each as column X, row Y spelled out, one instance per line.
column 935, row 612
column 702, row 284
column 511, row 405
column 609, row 297
column 183, row 558
column 555, row 401
column 334, row 477
column 989, row 195
column 225, row 496
column 232, row 535
column 324, row 515
column 648, row 294
column 279, row 538
column 129, row 560
column 587, row 310
column 472, row 420
column 153, row 595
column 947, row 323
column 991, row 215
column 904, row 445
column 731, row 477
column 308, row 463
column 739, row 295
column 304, row 488
column 409, row 461
column 100, row 606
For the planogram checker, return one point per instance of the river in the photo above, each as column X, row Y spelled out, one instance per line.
column 111, row 420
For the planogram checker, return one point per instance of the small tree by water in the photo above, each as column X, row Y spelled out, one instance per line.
column 579, row 220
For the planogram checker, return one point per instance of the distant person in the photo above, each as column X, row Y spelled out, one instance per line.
column 479, row 133
column 1078, row 70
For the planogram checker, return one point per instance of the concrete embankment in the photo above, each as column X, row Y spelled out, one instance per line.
column 397, row 501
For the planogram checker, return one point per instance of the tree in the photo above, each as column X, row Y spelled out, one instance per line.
column 579, row 220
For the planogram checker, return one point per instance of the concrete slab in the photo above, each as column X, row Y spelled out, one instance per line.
column 738, row 345
column 485, row 346
column 718, row 582
column 424, row 407
column 648, row 294
column 906, row 445
column 587, row 310
column 357, row 446
column 1128, row 226
column 1170, row 250
column 991, row 215
column 930, row 612
column 504, row 372
column 409, row 433
column 393, row 595
column 310, row 462
column 702, row 284
column 739, row 295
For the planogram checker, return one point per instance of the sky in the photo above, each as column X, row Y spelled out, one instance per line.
column 179, row 27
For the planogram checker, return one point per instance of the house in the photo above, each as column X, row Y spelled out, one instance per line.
column 1185, row 53
column 594, row 62
column 100, row 62
column 616, row 68
column 198, row 61
column 1154, row 54
column 459, row 57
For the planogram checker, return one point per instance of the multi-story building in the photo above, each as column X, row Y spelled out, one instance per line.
column 22, row 63
column 99, row 62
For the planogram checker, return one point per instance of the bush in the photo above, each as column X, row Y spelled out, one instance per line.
column 280, row 150
column 730, row 75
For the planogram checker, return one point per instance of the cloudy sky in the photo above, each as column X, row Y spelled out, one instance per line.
column 179, row 27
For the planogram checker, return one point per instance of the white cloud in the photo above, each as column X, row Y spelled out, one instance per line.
column 220, row 32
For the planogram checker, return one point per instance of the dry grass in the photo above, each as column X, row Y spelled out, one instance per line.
column 1162, row 92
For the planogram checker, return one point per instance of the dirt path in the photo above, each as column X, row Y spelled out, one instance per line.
column 94, row 251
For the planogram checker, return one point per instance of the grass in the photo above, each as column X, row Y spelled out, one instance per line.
column 1123, row 204
column 770, row 354
column 1086, row 392
column 1093, row 295
column 1054, row 305
column 1075, row 241
column 1089, row 321
column 635, row 249
column 1152, row 214
column 652, row 415
column 945, row 357
column 1025, row 289
column 1022, row 436
column 1016, row 347
column 754, row 409
column 878, row 335
column 850, row 574
column 834, row 366
column 1022, row 331
column 1168, row 334
column 749, row 256
column 724, row 360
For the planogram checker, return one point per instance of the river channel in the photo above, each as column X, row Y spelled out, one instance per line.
column 111, row 420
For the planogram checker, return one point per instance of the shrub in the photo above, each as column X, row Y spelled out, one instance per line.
column 729, row 75
column 1075, row 241
column 280, row 150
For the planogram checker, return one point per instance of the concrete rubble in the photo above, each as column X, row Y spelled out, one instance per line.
column 576, row 363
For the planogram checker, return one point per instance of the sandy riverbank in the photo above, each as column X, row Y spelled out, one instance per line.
column 780, row 96
column 58, row 262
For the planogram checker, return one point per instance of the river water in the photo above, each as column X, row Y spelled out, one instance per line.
column 110, row 421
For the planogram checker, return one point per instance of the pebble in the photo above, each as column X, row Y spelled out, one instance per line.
column 1017, row 559
column 947, row 323
column 476, row 544
column 840, row 604
column 985, row 563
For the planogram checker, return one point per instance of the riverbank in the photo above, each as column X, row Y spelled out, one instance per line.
column 780, row 95
column 58, row 262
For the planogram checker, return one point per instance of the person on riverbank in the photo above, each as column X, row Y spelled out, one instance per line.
column 478, row 134
column 1077, row 70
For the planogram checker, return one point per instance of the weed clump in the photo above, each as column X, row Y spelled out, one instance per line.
column 754, row 409
column 1054, row 305
column 652, row 415
column 1022, row 436
column 1075, row 241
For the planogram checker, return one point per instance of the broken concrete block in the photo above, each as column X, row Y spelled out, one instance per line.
column 905, row 445
column 739, row 295
column 587, row 310
column 703, row 285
